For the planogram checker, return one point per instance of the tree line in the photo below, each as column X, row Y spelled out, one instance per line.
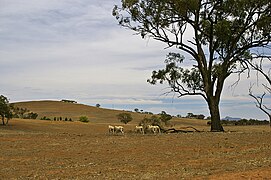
column 242, row 122
column 162, row 117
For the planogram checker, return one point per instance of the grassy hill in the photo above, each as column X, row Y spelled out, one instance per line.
column 53, row 109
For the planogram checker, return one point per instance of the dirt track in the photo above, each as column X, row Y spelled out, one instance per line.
column 72, row 150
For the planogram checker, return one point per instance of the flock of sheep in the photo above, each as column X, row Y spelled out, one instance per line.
column 138, row 129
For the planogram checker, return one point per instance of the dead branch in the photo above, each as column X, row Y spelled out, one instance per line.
column 173, row 130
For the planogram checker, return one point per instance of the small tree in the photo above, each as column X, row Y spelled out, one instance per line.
column 125, row 117
column 200, row 116
column 98, row 105
column 179, row 116
column 83, row 119
column 5, row 110
column 190, row 115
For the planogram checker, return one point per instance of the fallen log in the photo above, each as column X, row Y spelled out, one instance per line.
column 173, row 130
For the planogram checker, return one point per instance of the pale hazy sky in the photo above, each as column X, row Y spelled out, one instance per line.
column 74, row 49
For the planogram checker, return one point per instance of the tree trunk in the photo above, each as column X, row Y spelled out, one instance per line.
column 3, row 120
column 7, row 121
column 215, row 116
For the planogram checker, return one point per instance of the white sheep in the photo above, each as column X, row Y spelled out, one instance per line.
column 139, row 129
column 118, row 129
column 111, row 129
column 154, row 129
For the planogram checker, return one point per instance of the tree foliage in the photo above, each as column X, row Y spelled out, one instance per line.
column 165, row 118
column 82, row 119
column 125, row 117
column 153, row 120
column 5, row 110
column 195, row 116
column 219, row 35
column 22, row 113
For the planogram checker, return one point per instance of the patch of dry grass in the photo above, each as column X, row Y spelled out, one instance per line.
column 35, row 149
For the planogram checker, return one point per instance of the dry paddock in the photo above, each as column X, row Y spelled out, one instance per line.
column 73, row 150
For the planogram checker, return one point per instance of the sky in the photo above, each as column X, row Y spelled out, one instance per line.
column 75, row 49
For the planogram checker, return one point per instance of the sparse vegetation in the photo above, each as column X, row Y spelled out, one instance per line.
column 30, row 115
column 142, row 111
column 23, row 113
column 45, row 118
column 68, row 101
column 83, row 119
column 195, row 116
column 227, row 150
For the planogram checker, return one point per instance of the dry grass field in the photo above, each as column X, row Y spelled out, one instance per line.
column 36, row 149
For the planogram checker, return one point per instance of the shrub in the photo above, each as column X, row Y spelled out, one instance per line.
column 125, row 117
column 30, row 115
column 83, row 119
column 45, row 118
column 22, row 113
column 195, row 116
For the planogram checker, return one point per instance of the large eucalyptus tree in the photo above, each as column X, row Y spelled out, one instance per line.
column 218, row 34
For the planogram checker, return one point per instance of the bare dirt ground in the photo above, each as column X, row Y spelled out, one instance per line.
column 34, row 149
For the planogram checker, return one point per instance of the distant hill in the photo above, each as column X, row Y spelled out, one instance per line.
column 62, row 109
column 228, row 118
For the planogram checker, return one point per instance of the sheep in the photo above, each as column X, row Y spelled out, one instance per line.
column 111, row 129
column 157, row 129
column 154, row 129
column 118, row 129
column 139, row 129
